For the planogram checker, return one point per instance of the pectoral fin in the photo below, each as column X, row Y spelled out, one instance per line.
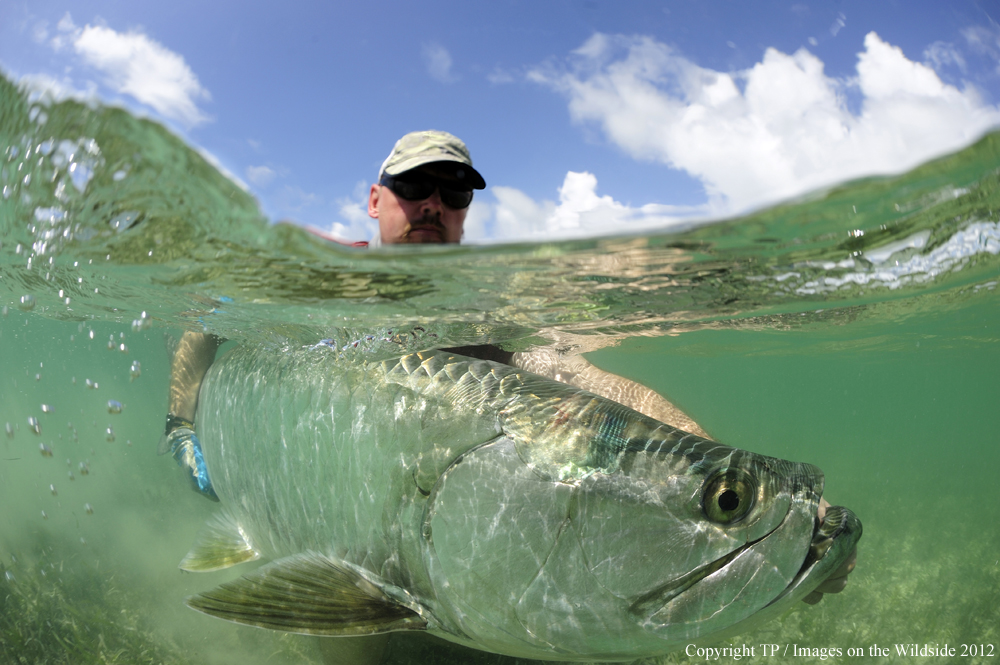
column 312, row 594
column 221, row 543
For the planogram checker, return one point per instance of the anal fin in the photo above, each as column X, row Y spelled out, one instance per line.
column 220, row 544
column 311, row 594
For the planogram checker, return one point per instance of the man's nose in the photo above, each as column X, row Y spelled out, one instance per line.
column 432, row 203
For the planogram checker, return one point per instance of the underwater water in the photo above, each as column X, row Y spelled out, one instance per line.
column 857, row 329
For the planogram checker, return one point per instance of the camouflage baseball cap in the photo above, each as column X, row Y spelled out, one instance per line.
column 419, row 148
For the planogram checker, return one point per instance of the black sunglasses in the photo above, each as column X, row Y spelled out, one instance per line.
column 419, row 188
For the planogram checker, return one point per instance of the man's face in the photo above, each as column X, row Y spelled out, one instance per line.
column 426, row 221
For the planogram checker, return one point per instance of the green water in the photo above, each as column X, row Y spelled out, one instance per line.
column 857, row 329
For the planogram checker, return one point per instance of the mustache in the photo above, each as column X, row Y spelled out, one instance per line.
column 432, row 220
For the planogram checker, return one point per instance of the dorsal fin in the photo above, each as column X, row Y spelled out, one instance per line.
column 221, row 543
column 312, row 594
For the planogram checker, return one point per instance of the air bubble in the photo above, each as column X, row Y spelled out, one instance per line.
column 135, row 371
column 34, row 425
column 109, row 434
column 27, row 303
column 45, row 450
column 114, row 406
column 84, row 468
column 142, row 323
column 10, row 431
column 52, row 488
column 47, row 408
column 88, row 509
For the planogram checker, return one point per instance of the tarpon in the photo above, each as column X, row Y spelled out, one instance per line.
column 493, row 508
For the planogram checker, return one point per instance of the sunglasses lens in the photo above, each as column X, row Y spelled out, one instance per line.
column 455, row 198
column 412, row 191
column 418, row 190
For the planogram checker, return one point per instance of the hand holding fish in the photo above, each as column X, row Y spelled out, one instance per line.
column 838, row 578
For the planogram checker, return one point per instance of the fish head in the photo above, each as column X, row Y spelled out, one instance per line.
column 701, row 537
column 677, row 540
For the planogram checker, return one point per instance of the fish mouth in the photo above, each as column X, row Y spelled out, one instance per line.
column 834, row 536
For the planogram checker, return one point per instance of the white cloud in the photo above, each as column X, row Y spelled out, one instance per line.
column 260, row 175
column 67, row 31
column 478, row 221
column 293, row 198
column 940, row 55
column 580, row 206
column 517, row 216
column 438, row 62
column 500, row 76
column 776, row 130
column 355, row 223
column 40, row 32
column 985, row 41
column 579, row 212
column 838, row 24
column 134, row 64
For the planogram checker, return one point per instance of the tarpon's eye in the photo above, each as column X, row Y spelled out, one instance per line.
column 729, row 496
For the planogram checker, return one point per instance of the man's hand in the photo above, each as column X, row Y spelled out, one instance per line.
column 185, row 448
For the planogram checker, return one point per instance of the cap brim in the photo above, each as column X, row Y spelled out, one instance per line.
column 463, row 172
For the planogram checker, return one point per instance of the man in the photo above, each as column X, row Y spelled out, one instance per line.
column 423, row 194
column 424, row 190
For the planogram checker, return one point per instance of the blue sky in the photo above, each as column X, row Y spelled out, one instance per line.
column 585, row 117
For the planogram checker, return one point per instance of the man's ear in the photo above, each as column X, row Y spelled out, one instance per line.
column 373, row 202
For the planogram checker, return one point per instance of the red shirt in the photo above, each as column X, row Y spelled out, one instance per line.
column 326, row 236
